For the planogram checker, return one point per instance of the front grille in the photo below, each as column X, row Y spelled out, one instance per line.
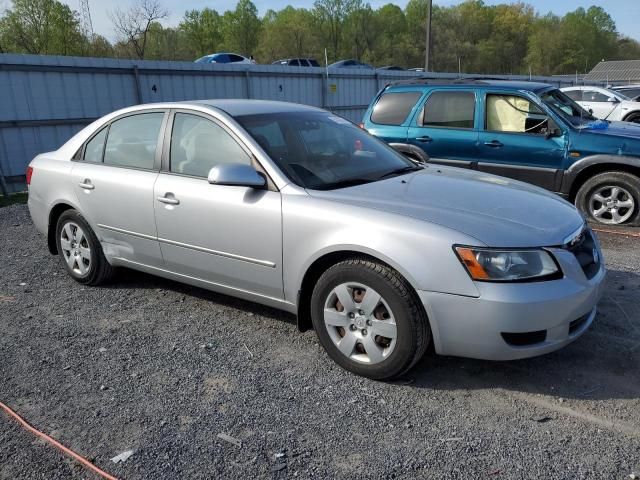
column 524, row 339
column 577, row 323
column 585, row 250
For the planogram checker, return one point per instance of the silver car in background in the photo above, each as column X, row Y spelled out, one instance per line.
column 296, row 208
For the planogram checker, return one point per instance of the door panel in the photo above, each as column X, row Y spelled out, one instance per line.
column 223, row 234
column 445, row 129
column 514, row 142
column 114, row 186
column 120, row 208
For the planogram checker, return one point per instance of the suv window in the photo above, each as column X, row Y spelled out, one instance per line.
column 198, row 145
column 95, row 147
column 132, row 140
column 295, row 62
column 450, row 110
column 511, row 113
column 393, row 108
column 313, row 63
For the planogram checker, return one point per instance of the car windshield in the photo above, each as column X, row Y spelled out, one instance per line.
column 562, row 105
column 321, row 151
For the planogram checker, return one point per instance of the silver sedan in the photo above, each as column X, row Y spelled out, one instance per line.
column 297, row 208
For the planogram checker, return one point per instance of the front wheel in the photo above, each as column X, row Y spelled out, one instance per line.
column 368, row 319
column 611, row 198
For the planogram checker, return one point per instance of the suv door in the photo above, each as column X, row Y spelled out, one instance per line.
column 113, row 176
column 445, row 127
column 225, row 235
column 521, row 141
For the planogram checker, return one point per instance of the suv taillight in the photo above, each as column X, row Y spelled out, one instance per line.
column 29, row 174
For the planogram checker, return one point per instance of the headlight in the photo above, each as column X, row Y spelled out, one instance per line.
column 494, row 265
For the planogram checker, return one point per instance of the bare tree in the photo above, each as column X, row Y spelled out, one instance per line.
column 133, row 25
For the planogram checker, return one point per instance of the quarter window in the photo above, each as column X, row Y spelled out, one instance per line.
column 95, row 147
column 198, row 145
column 393, row 108
column 510, row 113
column 132, row 141
column 450, row 110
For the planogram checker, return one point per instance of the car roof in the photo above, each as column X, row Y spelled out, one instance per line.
column 469, row 82
column 239, row 107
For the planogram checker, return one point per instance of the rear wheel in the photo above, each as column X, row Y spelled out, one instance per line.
column 611, row 198
column 368, row 319
column 80, row 250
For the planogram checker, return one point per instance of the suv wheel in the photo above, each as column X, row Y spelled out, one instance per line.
column 612, row 198
column 80, row 250
column 368, row 319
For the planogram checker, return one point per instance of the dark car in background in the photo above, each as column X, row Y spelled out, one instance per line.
column 224, row 58
column 297, row 62
column 632, row 91
column 351, row 64
column 524, row 130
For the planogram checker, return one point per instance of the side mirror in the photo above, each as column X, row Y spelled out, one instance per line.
column 613, row 100
column 236, row 174
column 591, row 111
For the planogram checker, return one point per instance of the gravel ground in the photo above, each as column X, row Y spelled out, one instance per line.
column 162, row 368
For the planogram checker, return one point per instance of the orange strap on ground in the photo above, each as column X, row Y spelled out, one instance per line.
column 628, row 234
column 57, row 444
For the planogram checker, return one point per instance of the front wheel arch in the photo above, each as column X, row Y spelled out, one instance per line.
column 635, row 114
column 315, row 271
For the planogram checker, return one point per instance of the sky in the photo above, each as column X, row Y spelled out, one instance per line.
column 626, row 13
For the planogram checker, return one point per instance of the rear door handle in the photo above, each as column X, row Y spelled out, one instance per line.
column 86, row 184
column 494, row 144
column 169, row 200
column 425, row 138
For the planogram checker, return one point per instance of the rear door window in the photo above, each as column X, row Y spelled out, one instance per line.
column 450, row 110
column 393, row 108
column 132, row 141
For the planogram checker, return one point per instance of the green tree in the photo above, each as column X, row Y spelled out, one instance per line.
column 41, row 27
column 288, row 33
column 202, row 31
column 241, row 28
column 331, row 16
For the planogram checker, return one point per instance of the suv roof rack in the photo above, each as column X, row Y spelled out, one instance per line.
column 452, row 81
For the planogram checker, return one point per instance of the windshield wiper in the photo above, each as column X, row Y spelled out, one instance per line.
column 400, row 171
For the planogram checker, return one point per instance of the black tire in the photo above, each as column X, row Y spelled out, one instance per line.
column 627, row 181
column 413, row 332
column 98, row 270
column 633, row 117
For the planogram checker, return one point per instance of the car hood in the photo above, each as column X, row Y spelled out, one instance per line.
column 497, row 211
column 615, row 129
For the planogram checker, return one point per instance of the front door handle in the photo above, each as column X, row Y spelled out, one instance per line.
column 169, row 199
column 86, row 184
column 494, row 144
column 424, row 138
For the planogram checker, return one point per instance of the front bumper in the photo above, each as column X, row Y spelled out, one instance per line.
column 541, row 316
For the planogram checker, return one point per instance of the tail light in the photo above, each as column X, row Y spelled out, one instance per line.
column 29, row 174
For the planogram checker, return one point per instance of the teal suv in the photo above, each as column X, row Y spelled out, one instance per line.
column 523, row 130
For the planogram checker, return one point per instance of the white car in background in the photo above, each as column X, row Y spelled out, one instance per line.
column 605, row 104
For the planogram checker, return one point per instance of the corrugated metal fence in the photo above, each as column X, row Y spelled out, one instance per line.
column 44, row 100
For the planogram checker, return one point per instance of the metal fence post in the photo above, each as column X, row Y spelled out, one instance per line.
column 136, row 76
column 247, row 82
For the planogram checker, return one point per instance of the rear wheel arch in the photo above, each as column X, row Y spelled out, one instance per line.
column 322, row 264
column 54, row 215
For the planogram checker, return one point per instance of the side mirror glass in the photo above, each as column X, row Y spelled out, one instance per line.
column 236, row 174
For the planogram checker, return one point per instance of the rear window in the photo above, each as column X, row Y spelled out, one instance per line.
column 393, row 108
column 450, row 110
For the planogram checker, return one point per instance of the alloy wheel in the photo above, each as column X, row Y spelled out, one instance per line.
column 360, row 323
column 75, row 248
column 611, row 204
